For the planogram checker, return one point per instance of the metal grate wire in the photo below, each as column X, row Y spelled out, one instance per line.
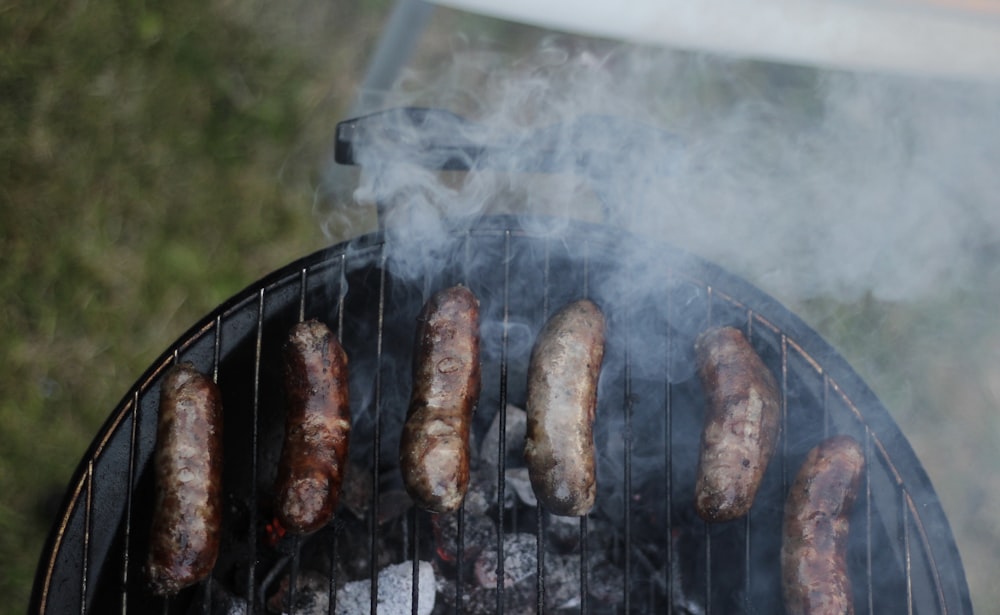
column 129, row 429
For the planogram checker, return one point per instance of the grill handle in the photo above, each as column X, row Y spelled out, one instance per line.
column 598, row 147
column 438, row 139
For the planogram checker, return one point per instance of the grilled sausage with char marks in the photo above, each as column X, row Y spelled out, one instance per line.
column 434, row 447
column 563, row 377
column 741, row 425
column 816, row 525
column 317, row 428
column 187, row 516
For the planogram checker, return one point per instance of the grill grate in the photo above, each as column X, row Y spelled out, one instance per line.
column 903, row 558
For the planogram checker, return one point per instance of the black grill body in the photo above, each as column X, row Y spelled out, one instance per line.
column 902, row 556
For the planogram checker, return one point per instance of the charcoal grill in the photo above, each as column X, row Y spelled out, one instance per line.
column 902, row 555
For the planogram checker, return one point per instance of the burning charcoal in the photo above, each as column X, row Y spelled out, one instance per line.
column 520, row 561
column 478, row 497
column 474, row 599
column 563, row 533
column 483, row 600
column 221, row 600
column 312, row 593
column 562, row 582
column 354, row 548
column 515, row 429
column 482, row 495
column 478, row 532
column 605, row 582
column 395, row 591
column 562, row 579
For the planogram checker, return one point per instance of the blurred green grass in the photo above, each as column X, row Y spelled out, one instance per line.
column 155, row 158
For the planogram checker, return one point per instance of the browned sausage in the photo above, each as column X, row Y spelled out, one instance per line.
column 741, row 426
column 434, row 447
column 187, row 516
column 317, row 428
column 817, row 520
column 563, row 376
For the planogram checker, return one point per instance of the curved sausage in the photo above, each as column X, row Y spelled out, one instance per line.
column 187, row 517
column 434, row 447
column 563, row 376
column 741, row 425
column 317, row 428
column 815, row 532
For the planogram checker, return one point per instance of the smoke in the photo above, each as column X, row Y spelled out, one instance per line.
column 811, row 183
column 884, row 194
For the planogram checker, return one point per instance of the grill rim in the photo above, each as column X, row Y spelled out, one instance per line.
column 918, row 498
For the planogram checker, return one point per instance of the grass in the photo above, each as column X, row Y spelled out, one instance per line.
column 154, row 159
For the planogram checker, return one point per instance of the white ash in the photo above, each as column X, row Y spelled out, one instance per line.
column 520, row 561
column 478, row 497
column 606, row 582
column 519, row 579
column 562, row 581
column 223, row 601
column 479, row 531
column 395, row 591
column 311, row 594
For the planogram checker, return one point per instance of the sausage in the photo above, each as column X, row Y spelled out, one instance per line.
column 741, row 426
column 434, row 446
column 563, row 375
column 816, row 524
column 187, row 516
column 317, row 428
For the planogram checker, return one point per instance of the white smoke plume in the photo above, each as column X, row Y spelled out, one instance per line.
column 813, row 184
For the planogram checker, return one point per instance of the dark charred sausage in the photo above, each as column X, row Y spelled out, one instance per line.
column 187, row 517
column 741, row 424
column 317, row 428
column 563, row 376
column 434, row 447
column 815, row 532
